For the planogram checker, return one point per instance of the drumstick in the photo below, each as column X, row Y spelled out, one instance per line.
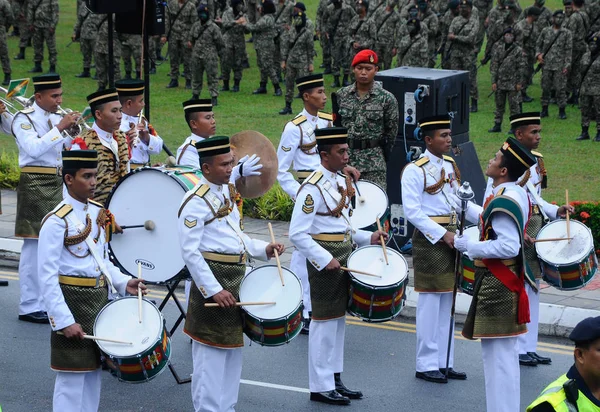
column 276, row 255
column 215, row 305
column 361, row 199
column 568, row 215
column 359, row 271
column 554, row 239
column 382, row 242
column 99, row 338
column 139, row 292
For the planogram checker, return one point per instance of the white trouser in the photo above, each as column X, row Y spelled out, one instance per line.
column 502, row 375
column 188, row 287
column 31, row 299
column 216, row 378
column 325, row 353
column 433, row 322
column 528, row 341
column 77, row 392
column 298, row 266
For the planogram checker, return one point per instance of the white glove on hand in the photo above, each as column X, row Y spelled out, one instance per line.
column 250, row 166
column 461, row 243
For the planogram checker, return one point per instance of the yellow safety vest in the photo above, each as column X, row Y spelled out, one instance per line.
column 555, row 395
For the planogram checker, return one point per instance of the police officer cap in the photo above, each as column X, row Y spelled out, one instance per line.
column 534, row 11
column 588, row 330
column 300, row 5
column 453, row 4
column 558, row 13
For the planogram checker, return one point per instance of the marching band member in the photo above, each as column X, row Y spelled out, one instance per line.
column 142, row 138
column 499, row 310
column 73, row 279
column 39, row 135
column 320, row 229
column 426, row 184
column 215, row 249
column 200, row 118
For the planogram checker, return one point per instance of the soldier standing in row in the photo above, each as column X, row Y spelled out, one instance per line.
column 6, row 20
column 20, row 13
column 235, row 45
column 324, row 40
column 180, row 17
column 131, row 47
column 386, row 21
column 545, row 18
column 101, row 52
column 338, row 19
column 364, row 31
column 412, row 49
column 589, row 100
column 507, row 69
column 578, row 23
column 86, row 32
column 529, row 35
column 283, row 21
column 483, row 7
column 445, row 22
column 429, row 20
column 42, row 17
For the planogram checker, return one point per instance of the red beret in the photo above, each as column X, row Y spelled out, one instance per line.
column 365, row 56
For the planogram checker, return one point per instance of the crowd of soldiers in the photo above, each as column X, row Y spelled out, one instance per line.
column 205, row 35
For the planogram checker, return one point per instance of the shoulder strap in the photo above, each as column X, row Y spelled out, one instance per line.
column 422, row 161
column 200, row 192
column 314, row 178
column 299, row 120
column 325, row 116
column 191, row 143
column 63, row 211
column 536, row 154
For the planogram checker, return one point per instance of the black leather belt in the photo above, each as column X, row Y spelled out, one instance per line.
column 361, row 144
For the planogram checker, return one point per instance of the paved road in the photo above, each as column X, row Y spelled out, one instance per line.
column 379, row 361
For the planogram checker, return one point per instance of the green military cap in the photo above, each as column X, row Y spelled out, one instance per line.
column 213, row 146
column 518, row 157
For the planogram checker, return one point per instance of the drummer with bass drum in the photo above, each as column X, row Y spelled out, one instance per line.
column 321, row 231
column 215, row 251
column 76, row 278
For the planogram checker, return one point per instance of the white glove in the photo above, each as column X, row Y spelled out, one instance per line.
column 249, row 166
column 455, row 202
column 461, row 243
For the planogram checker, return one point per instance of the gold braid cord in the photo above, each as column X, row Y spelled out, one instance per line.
column 543, row 173
column 525, row 179
column 80, row 237
column 456, row 172
column 346, row 194
column 224, row 210
column 436, row 187
column 306, row 148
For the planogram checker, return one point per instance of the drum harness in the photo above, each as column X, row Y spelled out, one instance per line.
column 339, row 197
column 537, row 199
column 438, row 187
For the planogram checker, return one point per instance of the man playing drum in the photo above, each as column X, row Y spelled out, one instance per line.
column 74, row 272
column 426, row 184
column 142, row 137
column 39, row 135
column 297, row 150
column 320, row 229
column 215, row 250
column 499, row 310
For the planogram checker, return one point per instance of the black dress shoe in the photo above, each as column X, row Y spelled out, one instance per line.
column 526, row 360
column 452, row 374
column 35, row 317
column 542, row 360
column 432, row 376
column 331, row 397
column 342, row 390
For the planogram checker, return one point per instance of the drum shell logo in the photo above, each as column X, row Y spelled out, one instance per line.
column 145, row 264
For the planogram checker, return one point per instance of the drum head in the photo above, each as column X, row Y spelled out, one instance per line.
column 370, row 259
column 148, row 194
column 263, row 285
column 120, row 320
column 562, row 252
column 374, row 204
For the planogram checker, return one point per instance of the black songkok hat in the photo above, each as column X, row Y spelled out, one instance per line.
column 130, row 87
column 588, row 330
column 558, row 13
column 309, row 82
column 300, row 5
column 46, row 82
column 102, row 97
column 213, row 146
column 524, row 119
column 432, row 123
column 197, row 105
column 518, row 158
column 79, row 159
column 331, row 135
column 534, row 11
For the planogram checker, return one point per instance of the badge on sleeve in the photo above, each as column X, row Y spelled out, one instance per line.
column 286, row 149
column 191, row 223
column 309, row 205
column 25, row 126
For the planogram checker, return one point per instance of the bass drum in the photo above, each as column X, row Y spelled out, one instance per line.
column 371, row 205
column 150, row 193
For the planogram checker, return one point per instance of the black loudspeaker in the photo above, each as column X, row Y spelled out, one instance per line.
column 131, row 23
column 111, row 6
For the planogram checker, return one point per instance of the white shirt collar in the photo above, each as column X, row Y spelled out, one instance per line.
column 196, row 138
column 107, row 136
column 438, row 161
column 77, row 205
column 310, row 117
column 214, row 187
column 130, row 118
column 329, row 175
column 38, row 109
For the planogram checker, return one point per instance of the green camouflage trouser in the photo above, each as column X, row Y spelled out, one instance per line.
column 268, row 70
column 554, row 80
column 39, row 36
column 514, row 98
column 87, row 50
column 131, row 47
column 4, row 57
column 590, row 110
column 102, row 68
column 211, row 67
column 233, row 56
column 179, row 53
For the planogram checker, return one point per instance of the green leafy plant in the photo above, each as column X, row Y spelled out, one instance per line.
column 9, row 170
column 273, row 205
column 588, row 213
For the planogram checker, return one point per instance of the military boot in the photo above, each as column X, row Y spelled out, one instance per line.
column 322, row 66
column 496, row 129
column 336, row 81
column 572, row 98
column 262, row 89
column 526, row 97
column 52, row 69
column 188, row 84
column 345, row 81
column 225, row 87
column 37, row 68
column 172, row 84
column 21, row 55
column 236, row 86
column 561, row 113
column 327, row 69
column 127, row 76
column 585, row 135
column 287, row 109
column 245, row 64
column 84, row 73
column 277, row 90
column 597, row 138
column 473, row 108
column 544, row 112
column 6, row 81
column 214, row 101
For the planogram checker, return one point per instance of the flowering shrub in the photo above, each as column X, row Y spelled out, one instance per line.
column 588, row 213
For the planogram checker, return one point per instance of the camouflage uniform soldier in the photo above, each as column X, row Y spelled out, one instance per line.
column 507, row 69
column 553, row 52
column 544, row 19
column 101, row 51
column 529, row 35
column 42, row 17
column 429, row 19
column 235, row 45
column 86, row 32
column 500, row 18
column 297, row 52
column 445, row 22
column 131, row 47
column 252, row 7
column 179, row 20
column 265, row 31
column 386, row 22
column 370, row 113
column 338, row 19
column 578, row 23
column 206, row 40
column 412, row 49
column 589, row 100
column 325, row 45
column 592, row 9
column 6, row 20
column 363, row 30
column 484, row 7
column 283, row 20
column 20, row 13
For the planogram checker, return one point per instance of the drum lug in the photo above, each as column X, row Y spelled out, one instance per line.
column 262, row 333
column 350, row 293
column 371, row 306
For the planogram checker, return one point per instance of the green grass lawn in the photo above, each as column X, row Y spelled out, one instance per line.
column 570, row 164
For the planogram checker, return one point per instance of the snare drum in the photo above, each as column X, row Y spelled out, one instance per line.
column 468, row 265
column 567, row 265
column 377, row 299
column 272, row 325
column 150, row 193
column 375, row 204
column 151, row 348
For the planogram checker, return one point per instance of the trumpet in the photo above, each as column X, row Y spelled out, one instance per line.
column 24, row 102
column 79, row 126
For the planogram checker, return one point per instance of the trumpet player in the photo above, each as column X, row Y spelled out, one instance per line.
column 39, row 135
column 6, row 119
column 141, row 136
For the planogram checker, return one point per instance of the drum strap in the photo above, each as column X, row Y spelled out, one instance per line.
column 536, row 197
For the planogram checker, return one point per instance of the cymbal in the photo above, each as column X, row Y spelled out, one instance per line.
column 249, row 142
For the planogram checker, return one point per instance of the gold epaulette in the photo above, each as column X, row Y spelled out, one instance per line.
column 299, row 120
column 202, row 190
column 63, row 211
column 536, row 154
column 314, row 178
column 325, row 116
column 100, row 205
column 448, row 158
column 27, row 110
column 421, row 161
column 501, row 191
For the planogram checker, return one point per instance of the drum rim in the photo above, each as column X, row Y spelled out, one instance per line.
column 354, row 279
column 161, row 370
column 574, row 262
